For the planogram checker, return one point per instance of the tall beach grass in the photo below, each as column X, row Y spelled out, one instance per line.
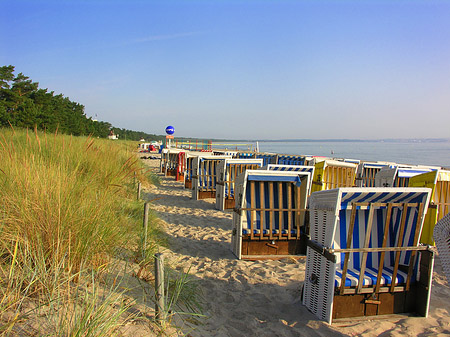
column 66, row 205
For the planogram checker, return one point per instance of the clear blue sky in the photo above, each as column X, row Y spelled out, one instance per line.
column 242, row 69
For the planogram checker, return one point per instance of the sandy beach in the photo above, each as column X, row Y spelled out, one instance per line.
column 261, row 298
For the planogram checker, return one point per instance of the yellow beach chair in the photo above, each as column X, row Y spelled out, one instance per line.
column 329, row 174
column 439, row 182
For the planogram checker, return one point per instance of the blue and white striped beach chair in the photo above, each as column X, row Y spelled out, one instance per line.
column 204, row 176
column 227, row 171
column 269, row 214
column 366, row 172
column 397, row 176
column 364, row 252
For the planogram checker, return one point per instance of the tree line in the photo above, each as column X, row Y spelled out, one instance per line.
column 23, row 104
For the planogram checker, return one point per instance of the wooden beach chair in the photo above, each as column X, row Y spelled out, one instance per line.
column 439, row 182
column 204, row 176
column 169, row 162
column 442, row 238
column 364, row 255
column 227, row 171
column 292, row 168
column 329, row 174
column 191, row 156
column 397, row 176
column 365, row 174
column 269, row 217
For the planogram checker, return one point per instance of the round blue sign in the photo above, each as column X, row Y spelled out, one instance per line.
column 170, row 130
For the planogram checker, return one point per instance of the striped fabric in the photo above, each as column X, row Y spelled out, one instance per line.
column 291, row 160
column 376, row 235
column 273, row 202
column 291, row 168
column 265, row 204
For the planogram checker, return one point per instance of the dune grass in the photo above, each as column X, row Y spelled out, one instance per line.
column 67, row 204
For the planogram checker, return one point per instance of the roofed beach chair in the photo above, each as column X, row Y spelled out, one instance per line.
column 442, row 238
column 397, row 176
column 191, row 156
column 365, row 174
column 270, row 214
column 227, row 171
column 364, row 255
column 329, row 174
column 169, row 161
column 439, row 182
column 292, row 168
column 284, row 159
column 204, row 176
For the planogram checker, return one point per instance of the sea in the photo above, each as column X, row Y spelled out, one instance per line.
column 413, row 152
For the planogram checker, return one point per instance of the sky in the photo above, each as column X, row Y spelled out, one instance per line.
column 242, row 69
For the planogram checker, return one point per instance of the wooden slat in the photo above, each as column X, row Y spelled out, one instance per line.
column 252, row 213
column 385, row 236
column 347, row 254
column 366, row 245
column 298, row 215
column 280, row 206
column 262, row 213
column 399, row 244
column 271, row 205
column 289, row 209
column 415, row 243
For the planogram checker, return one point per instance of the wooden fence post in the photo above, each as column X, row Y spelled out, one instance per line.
column 144, row 241
column 139, row 191
column 159, row 288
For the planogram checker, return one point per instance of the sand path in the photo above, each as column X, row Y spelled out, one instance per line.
column 260, row 298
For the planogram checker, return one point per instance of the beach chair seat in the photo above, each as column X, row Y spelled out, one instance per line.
column 441, row 236
column 364, row 256
column 269, row 217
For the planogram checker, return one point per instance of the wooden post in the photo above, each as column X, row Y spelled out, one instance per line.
column 144, row 241
column 139, row 191
column 159, row 287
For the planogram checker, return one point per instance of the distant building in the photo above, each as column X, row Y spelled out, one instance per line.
column 112, row 135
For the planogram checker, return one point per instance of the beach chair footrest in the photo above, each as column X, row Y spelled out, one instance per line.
column 412, row 301
column 272, row 247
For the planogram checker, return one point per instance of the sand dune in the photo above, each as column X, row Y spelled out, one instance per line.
column 262, row 298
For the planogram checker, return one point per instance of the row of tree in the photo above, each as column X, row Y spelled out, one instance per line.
column 23, row 104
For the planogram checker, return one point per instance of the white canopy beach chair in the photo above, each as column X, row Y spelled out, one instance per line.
column 204, row 176
column 442, row 238
column 227, row 171
column 169, row 161
column 439, row 182
column 270, row 214
column 364, row 253
column 365, row 174
column 397, row 176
